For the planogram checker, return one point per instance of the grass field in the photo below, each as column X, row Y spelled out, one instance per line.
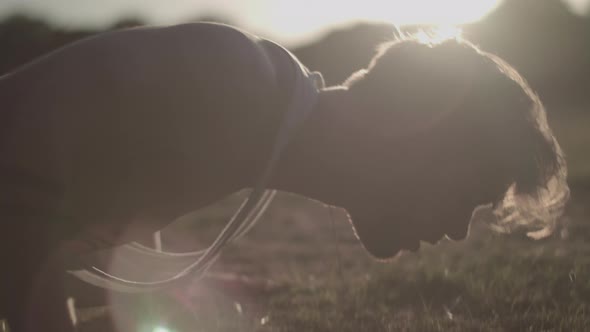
column 323, row 281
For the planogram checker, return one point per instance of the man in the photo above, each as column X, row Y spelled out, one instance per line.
column 111, row 138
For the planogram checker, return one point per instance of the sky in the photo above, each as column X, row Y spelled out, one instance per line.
column 290, row 22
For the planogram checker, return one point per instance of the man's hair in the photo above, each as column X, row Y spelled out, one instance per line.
column 472, row 107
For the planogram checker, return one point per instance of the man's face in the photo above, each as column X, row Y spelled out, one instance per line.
column 400, row 225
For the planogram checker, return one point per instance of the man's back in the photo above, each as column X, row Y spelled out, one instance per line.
column 144, row 125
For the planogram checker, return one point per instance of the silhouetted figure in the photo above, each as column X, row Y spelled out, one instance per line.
column 111, row 138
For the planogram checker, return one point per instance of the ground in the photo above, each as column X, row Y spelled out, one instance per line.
column 322, row 280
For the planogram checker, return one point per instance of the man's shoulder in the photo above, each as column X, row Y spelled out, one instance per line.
column 209, row 33
column 236, row 50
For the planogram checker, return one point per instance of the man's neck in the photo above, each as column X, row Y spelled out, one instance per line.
column 312, row 164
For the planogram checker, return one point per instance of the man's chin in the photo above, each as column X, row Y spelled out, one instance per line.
column 383, row 254
column 387, row 244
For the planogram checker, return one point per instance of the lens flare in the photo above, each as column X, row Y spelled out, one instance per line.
column 161, row 329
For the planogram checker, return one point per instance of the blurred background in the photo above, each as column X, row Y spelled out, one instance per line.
column 548, row 41
column 499, row 286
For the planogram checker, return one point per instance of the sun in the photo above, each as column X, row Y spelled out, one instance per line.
column 438, row 34
column 436, row 12
column 304, row 19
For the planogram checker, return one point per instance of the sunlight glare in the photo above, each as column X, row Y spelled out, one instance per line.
column 286, row 16
column 579, row 7
column 438, row 34
column 450, row 12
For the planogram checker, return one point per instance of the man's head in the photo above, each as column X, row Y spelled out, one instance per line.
column 446, row 128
